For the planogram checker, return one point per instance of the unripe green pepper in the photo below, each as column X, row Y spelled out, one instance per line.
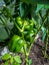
column 16, row 43
column 19, row 21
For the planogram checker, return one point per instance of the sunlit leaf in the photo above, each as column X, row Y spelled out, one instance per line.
column 6, row 57
column 17, row 59
column 11, row 60
column 6, row 63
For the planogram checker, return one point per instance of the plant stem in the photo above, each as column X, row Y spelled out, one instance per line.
column 27, row 60
column 36, row 34
column 25, row 50
column 17, row 26
column 46, row 46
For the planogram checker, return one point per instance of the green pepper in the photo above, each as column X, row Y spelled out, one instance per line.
column 26, row 25
column 16, row 43
column 19, row 21
column 32, row 23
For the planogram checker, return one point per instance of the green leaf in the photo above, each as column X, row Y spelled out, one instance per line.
column 39, row 7
column 3, row 34
column 11, row 7
column 36, row 1
column 43, row 33
column 21, row 9
column 30, row 61
column 6, row 63
column 11, row 60
column 5, row 28
column 17, row 59
column 6, row 57
column 16, row 64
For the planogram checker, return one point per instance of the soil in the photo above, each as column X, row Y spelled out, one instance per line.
column 37, row 57
column 36, row 54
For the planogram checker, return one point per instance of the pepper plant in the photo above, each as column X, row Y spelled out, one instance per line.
column 27, row 20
